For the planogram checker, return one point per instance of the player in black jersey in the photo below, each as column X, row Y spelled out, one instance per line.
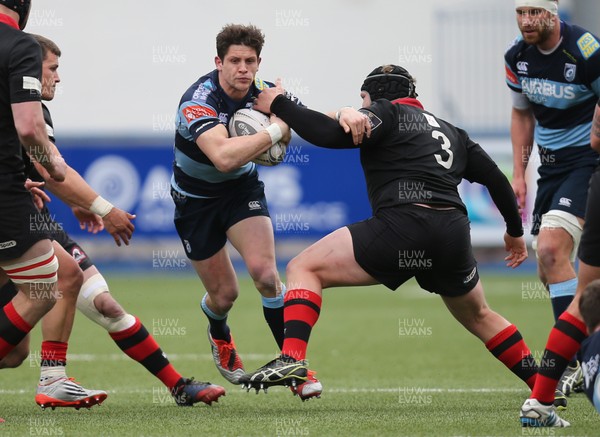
column 94, row 300
column 27, row 258
column 589, row 353
column 413, row 162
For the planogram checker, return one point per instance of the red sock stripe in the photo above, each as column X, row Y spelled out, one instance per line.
column 301, row 293
column 295, row 348
column 514, row 354
column 300, row 312
column 5, row 348
column 169, row 376
column 143, row 349
column 501, row 337
column 544, row 389
column 570, row 318
column 15, row 318
column 116, row 336
column 54, row 351
column 562, row 344
column 31, row 266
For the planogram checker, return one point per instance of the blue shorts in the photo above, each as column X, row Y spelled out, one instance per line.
column 202, row 223
column 563, row 182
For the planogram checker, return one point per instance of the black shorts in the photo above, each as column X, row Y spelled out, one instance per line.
column 408, row 241
column 202, row 223
column 7, row 292
column 17, row 211
column 563, row 182
column 74, row 249
column 589, row 247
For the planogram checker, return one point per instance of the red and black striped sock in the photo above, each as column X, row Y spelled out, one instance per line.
column 54, row 354
column 563, row 342
column 510, row 348
column 139, row 345
column 13, row 329
column 301, row 312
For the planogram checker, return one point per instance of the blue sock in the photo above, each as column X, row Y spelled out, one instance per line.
column 218, row 323
column 273, row 312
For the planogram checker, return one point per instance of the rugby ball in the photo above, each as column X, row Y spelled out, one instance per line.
column 247, row 121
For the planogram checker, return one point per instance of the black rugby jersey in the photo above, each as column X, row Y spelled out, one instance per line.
column 562, row 87
column 589, row 357
column 20, row 75
column 411, row 157
column 30, row 170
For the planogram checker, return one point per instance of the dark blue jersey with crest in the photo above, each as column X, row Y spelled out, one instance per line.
column 203, row 106
column 562, row 86
column 589, row 357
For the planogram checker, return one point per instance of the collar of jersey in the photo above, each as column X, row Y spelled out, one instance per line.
column 408, row 101
column 8, row 20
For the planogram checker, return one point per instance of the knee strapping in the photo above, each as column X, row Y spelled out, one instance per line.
column 40, row 270
column 92, row 288
column 563, row 220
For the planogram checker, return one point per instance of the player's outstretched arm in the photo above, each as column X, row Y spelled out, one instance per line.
column 75, row 191
column 521, row 134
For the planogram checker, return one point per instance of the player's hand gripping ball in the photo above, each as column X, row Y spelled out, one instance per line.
column 247, row 121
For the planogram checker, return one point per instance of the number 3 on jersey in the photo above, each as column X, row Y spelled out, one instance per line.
column 446, row 147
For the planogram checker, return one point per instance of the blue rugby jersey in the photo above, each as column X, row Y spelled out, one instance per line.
column 202, row 107
column 589, row 357
column 562, row 87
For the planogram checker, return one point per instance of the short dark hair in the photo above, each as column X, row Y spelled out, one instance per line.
column 589, row 305
column 238, row 34
column 47, row 45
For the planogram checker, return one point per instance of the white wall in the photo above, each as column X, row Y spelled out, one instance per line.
column 126, row 63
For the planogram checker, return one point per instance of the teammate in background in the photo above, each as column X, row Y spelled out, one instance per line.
column 95, row 300
column 413, row 163
column 218, row 196
column 569, row 332
column 589, row 354
column 26, row 258
column 553, row 72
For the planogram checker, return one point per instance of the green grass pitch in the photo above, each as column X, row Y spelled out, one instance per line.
column 392, row 363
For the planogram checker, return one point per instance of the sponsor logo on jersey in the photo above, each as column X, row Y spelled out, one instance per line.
column 522, row 67
column 431, row 120
column 203, row 90
column 565, row 201
column 373, row 119
column 588, row 45
column 254, row 204
column 260, row 84
column 570, row 70
column 187, row 245
column 195, row 112
column 510, row 76
column 7, row 244
column 538, row 90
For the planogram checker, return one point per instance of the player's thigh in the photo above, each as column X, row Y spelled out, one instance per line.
column 330, row 261
column 217, row 275
column 253, row 239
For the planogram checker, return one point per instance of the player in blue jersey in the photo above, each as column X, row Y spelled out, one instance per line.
column 218, row 196
column 553, row 72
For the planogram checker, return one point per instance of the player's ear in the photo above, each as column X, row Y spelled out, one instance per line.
column 258, row 63
column 218, row 63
